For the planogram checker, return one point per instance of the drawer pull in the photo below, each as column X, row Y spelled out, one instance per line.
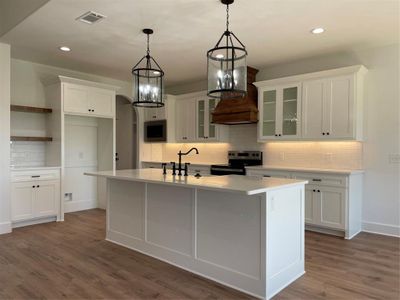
column 266, row 175
column 315, row 179
column 35, row 176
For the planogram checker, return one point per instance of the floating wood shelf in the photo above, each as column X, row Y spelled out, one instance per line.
column 31, row 139
column 22, row 108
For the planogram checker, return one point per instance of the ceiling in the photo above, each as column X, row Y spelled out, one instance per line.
column 274, row 31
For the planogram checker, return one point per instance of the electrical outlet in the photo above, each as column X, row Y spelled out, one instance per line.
column 68, row 197
column 282, row 156
column 328, row 157
column 394, row 158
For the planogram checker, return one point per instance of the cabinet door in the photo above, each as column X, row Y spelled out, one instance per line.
column 76, row 98
column 102, row 102
column 313, row 105
column 47, row 195
column 331, row 207
column 310, row 201
column 180, row 129
column 291, row 111
column 190, row 120
column 269, row 106
column 201, row 120
column 339, row 107
column 212, row 129
column 22, row 197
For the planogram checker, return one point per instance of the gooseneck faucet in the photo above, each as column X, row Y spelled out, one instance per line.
column 180, row 154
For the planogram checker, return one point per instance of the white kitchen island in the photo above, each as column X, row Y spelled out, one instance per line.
column 244, row 232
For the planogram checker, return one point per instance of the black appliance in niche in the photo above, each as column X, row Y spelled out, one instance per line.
column 237, row 162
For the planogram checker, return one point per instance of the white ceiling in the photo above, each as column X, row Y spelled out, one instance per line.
column 273, row 31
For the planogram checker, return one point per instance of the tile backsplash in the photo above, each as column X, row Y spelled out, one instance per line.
column 28, row 154
column 332, row 155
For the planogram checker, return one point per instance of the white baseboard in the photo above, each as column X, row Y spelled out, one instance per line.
column 71, row 206
column 34, row 222
column 5, row 227
column 379, row 228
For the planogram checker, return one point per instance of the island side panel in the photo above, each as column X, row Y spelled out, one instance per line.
column 173, row 224
column 284, row 238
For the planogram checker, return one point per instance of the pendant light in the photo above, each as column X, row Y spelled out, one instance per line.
column 226, row 65
column 147, row 80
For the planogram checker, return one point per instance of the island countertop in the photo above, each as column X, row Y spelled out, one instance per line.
column 248, row 185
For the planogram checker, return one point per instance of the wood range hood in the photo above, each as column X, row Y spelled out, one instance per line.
column 239, row 111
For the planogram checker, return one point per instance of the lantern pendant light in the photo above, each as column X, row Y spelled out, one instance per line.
column 147, row 80
column 226, row 65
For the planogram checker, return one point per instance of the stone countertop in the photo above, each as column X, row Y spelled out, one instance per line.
column 307, row 170
column 248, row 185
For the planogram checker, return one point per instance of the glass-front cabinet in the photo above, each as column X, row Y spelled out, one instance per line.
column 279, row 108
column 205, row 129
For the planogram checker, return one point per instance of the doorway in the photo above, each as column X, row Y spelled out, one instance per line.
column 126, row 134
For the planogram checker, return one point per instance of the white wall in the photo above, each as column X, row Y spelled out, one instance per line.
column 381, row 203
column 5, row 212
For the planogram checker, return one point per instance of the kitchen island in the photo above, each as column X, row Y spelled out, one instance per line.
column 244, row 232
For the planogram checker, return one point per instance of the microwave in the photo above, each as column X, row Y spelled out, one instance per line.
column 155, row 131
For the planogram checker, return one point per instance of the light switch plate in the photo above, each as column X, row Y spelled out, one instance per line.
column 394, row 158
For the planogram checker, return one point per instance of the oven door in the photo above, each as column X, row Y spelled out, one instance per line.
column 227, row 171
column 155, row 131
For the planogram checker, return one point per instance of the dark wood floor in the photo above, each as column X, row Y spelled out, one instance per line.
column 72, row 260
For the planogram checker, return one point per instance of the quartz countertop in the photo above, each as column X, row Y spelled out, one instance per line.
column 307, row 170
column 28, row 168
column 191, row 164
column 248, row 185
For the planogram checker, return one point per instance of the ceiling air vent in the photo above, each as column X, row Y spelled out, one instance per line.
column 91, row 17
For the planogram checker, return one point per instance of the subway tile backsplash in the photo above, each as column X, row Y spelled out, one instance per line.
column 28, row 154
column 331, row 155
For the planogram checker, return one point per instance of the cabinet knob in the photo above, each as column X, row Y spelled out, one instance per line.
column 280, row 134
column 327, row 133
column 323, row 133
column 89, row 110
column 38, row 186
column 319, row 191
column 276, row 135
column 33, row 186
column 313, row 191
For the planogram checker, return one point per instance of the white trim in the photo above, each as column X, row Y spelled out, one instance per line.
column 313, row 75
column 5, row 227
column 72, row 206
column 34, row 221
column 88, row 83
column 379, row 228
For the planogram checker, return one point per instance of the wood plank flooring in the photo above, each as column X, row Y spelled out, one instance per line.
column 71, row 260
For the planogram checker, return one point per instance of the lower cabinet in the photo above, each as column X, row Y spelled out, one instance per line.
column 332, row 201
column 34, row 199
column 325, row 206
column 34, row 196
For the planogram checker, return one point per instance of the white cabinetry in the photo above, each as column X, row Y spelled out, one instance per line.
column 154, row 114
column 185, row 120
column 193, row 120
column 82, row 98
column 280, row 113
column 332, row 201
column 328, row 108
column 34, row 195
column 324, row 105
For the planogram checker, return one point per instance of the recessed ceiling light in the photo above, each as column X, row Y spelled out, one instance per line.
column 65, row 48
column 219, row 56
column 317, row 30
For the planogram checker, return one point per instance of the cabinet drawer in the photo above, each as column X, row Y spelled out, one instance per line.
column 36, row 175
column 322, row 179
column 268, row 173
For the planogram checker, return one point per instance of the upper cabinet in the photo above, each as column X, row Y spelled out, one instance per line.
column 193, row 119
column 84, row 98
column 317, row 106
column 185, row 116
column 280, row 113
column 328, row 108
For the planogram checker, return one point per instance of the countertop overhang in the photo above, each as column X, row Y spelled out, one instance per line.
column 249, row 185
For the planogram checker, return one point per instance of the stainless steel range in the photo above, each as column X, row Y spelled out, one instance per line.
column 237, row 162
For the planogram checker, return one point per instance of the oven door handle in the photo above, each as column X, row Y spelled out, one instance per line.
column 227, row 169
